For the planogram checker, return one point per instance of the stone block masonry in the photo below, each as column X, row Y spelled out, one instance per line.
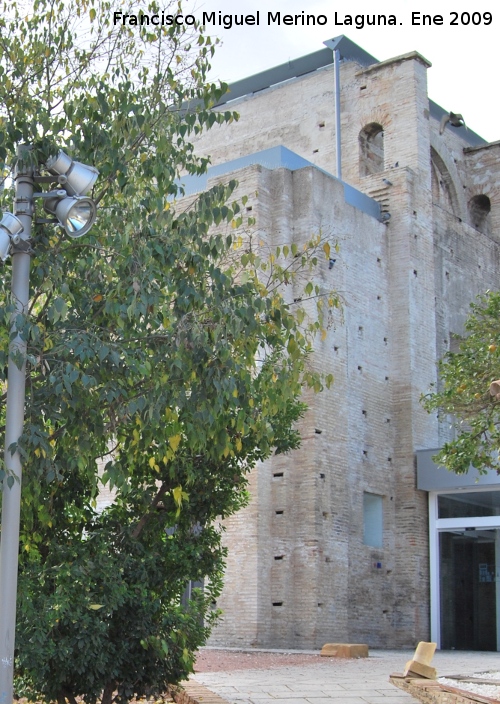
column 308, row 562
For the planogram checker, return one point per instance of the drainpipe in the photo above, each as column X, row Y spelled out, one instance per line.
column 332, row 44
column 338, row 150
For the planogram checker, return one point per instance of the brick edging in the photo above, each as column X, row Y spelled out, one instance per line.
column 430, row 691
column 191, row 692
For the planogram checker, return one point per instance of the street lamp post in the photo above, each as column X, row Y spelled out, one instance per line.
column 11, row 495
column 76, row 215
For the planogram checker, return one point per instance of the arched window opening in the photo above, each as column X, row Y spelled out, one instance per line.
column 444, row 194
column 479, row 210
column 371, row 147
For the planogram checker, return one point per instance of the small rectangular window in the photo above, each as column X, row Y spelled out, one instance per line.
column 373, row 520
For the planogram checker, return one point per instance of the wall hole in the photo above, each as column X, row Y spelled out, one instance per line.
column 479, row 210
column 371, row 149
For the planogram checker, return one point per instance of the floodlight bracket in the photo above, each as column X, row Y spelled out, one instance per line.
column 44, row 179
column 47, row 221
column 21, row 245
column 59, row 193
column 62, row 178
column 24, row 206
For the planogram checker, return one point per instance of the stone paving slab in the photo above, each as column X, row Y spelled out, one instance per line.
column 363, row 681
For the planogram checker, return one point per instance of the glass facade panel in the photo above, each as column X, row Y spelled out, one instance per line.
column 469, row 504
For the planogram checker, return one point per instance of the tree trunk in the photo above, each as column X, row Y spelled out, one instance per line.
column 107, row 694
column 65, row 696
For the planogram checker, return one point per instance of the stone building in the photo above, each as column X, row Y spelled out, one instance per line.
column 358, row 536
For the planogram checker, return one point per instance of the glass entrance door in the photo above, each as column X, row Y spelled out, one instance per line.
column 464, row 545
column 468, row 593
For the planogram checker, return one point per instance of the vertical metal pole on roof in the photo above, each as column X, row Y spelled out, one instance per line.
column 338, row 150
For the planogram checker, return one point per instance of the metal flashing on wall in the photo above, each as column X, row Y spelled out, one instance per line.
column 434, row 477
column 278, row 158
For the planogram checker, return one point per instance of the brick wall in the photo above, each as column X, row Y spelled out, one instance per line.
column 406, row 287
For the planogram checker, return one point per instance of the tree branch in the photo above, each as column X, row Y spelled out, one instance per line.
column 145, row 519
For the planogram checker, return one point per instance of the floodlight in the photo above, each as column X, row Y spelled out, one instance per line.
column 76, row 178
column 76, row 214
column 10, row 227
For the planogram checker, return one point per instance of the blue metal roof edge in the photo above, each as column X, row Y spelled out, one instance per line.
column 278, row 158
column 294, row 68
column 349, row 51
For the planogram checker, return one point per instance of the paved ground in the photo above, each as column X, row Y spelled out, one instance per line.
column 332, row 681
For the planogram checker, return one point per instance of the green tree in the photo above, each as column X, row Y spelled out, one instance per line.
column 159, row 346
column 464, row 394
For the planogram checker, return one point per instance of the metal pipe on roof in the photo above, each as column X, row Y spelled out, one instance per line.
column 338, row 149
column 333, row 45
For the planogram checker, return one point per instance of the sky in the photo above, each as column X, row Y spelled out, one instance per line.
column 464, row 76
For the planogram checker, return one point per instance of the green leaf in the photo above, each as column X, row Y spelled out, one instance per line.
column 164, row 362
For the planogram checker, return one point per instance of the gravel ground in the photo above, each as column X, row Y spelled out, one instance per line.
column 215, row 660
column 487, row 690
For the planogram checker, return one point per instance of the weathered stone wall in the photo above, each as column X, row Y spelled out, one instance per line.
column 407, row 286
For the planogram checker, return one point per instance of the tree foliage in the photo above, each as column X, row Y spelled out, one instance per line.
column 464, row 398
column 160, row 348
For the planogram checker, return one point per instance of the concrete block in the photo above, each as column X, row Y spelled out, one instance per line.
column 420, row 664
column 344, row 650
column 424, row 653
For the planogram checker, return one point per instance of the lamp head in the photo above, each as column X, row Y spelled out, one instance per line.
column 10, row 229
column 75, row 211
column 77, row 179
column 76, row 214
